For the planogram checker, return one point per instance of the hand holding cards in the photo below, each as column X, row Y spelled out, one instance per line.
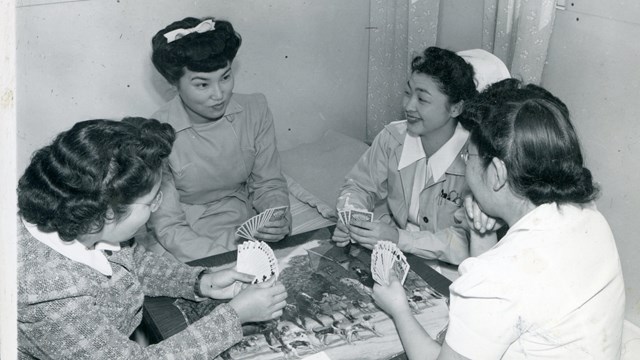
column 387, row 257
column 249, row 228
column 256, row 258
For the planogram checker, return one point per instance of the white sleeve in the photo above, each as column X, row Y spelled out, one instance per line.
column 484, row 315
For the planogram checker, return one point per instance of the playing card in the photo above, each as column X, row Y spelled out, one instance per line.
column 249, row 228
column 360, row 215
column 257, row 258
column 343, row 216
column 386, row 257
column 277, row 213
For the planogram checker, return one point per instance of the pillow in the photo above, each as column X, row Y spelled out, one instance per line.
column 319, row 168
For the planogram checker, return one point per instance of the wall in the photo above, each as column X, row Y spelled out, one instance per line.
column 460, row 24
column 592, row 65
column 91, row 59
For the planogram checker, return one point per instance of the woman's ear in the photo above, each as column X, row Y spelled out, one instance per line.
column 456, row 109
column 110, row 215
column 499, row 173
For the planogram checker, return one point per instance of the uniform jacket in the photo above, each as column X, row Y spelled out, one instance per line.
column 376, row 177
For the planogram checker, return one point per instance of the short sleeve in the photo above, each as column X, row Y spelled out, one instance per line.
column 484, row 313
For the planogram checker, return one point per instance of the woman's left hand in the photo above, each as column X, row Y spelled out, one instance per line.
column 368, row 234
column 276, row 230
column 221, row 284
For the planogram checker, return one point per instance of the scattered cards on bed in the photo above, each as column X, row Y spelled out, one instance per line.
column 385, row 258
column 257, row 258
column 249, row 228
column 347, row 216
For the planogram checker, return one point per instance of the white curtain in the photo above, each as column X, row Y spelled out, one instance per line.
column 518, row 32
column 399, row 29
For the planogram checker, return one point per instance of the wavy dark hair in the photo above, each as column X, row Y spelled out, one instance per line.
column 199, row 52
column 455, row 77
column 529, row 129
column 97, row 165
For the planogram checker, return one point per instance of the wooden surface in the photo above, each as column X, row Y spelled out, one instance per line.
column 162, row 319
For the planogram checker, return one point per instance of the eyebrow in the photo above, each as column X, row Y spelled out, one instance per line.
column 419, row 89
column 207, row 79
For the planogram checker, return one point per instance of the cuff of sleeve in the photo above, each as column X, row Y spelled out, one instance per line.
column 272, row 201
column 405, row 242
column 470, row 344
column 231, row 316
column 191, row 280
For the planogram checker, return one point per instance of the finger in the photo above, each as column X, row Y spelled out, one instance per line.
column 491, row 223
column 276, row 314
column 468, row 205
column 273, row 230
column 276, row 224
column 484, row 221
column 364, row 239
column 477, row 216
column 343, row 241
column 367, row 246
column 363, row 224
column 267, row 284
column 459, row 216
column 280, row 297
column 269, row 237
column 243, row 277
column 342, row 244
column 277, row 306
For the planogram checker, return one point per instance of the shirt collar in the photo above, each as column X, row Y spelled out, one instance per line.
column 75, row 250
column 440, row 161
column 176, row 114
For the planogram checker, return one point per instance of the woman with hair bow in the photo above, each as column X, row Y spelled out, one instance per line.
column 224, row 167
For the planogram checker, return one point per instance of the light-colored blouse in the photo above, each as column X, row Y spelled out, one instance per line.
column 220, row 174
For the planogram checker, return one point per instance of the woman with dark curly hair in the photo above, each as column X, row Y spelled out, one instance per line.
column 81, row 282
column 224, row 167
column 552, row 288
column 414, row 165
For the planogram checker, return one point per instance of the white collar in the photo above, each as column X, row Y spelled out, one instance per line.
column 75, row 250
column 440, row 161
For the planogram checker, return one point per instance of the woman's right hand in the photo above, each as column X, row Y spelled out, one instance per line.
column 478, row 220
column 341, row 235
column 260, row 302
column 391, row 298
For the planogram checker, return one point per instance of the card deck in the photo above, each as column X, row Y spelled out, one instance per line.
column 249, row 228
column 387, row 257
column 257, row 258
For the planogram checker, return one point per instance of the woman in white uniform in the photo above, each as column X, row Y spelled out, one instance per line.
column 552, row 288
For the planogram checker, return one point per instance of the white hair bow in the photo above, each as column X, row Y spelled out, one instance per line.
column 177, row 34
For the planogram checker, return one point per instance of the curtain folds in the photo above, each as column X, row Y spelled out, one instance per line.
column 518, row 32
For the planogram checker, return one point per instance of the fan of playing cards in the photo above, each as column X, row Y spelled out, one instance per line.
column 348, row 215
column 256, row 258
column 249, row 228
column 386, row 257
